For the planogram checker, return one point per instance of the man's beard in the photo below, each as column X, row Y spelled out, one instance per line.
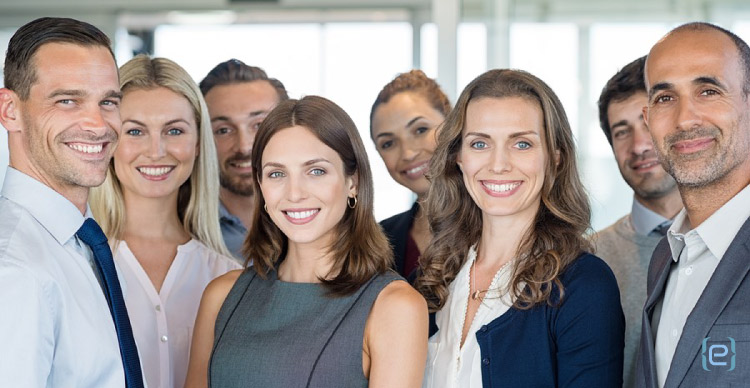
column 240, row 184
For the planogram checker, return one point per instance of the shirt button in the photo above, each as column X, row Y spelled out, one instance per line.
column 486, row 361
column 689, row 271
column 483, row 329
column 675, row 333
column 158, row 307
column 164, row 338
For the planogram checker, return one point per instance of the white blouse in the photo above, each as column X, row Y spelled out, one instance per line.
column 163, row 323
column 448, row 364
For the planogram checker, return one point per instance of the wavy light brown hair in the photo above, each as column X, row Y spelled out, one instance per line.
column 360, row 250
column 556, row 237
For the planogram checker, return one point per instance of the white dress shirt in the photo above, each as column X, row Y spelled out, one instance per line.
column 697, row 253
column 56, row 329
column 163, row 322
column 449, row 365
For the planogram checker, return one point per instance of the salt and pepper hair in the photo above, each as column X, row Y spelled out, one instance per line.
column 198, row 198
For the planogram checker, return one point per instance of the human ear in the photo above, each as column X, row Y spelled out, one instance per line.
column 353, row 184
column 10, row 114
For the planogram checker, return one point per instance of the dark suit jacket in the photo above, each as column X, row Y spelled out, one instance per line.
column 397, row 228
column 722, row 311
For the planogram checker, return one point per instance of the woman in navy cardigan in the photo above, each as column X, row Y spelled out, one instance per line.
column 403, row 122
column 518, row 301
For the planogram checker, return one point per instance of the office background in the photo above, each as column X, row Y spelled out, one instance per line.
column 346, row 50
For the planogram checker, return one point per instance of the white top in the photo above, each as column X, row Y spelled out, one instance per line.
column 448, row 364
column 56, row 329
column 697, row 253
column 163, row 322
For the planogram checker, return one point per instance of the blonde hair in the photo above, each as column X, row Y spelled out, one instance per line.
column 198, row 198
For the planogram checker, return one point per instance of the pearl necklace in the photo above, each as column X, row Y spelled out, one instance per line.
column 478, row 294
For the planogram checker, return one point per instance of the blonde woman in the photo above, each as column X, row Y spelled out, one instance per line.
column 159, row 208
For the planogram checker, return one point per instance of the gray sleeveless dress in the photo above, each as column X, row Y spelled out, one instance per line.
column 271, row 333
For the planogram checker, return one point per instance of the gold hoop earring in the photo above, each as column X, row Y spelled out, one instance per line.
column 349, row 202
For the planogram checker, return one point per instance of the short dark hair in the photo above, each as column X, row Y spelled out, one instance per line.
column 742, row 48
column 620, row 87
column 20, row 72
column 235, row 71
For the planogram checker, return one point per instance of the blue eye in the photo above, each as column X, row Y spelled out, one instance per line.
column 134, row 132
column 523, row 145
column 317, row 171
column 175, row 131
column 276, row 174
column 479, row 145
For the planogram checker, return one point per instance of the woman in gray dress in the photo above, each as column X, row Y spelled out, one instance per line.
column 320, row 307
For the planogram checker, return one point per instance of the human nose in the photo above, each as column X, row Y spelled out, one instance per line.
column 642, row 141
column 409, row 152
column 245, row 140
column 296, row 189
column 156, row 148
column 499, row 161
column 688, row 116
column 95, row 120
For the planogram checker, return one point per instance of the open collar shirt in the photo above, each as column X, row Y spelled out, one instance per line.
column 696, row 253
column 56, row 329
column 645, row 220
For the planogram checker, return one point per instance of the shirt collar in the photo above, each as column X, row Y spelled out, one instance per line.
column 718, row 230
column 59, row 216
column 644, row 220
column 225, row 215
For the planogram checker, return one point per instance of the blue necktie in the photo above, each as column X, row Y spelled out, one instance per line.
column 91, row 234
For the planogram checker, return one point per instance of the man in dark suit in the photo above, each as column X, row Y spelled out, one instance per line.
column 696, row 321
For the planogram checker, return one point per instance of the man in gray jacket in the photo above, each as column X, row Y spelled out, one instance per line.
column 627, row 244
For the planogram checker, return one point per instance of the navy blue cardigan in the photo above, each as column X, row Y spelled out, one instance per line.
column 578, row 344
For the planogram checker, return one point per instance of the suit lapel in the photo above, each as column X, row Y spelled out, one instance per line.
column 658, row 273
column 728, row 276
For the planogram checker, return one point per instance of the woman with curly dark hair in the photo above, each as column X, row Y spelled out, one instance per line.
column 519, row 300
column 403, row 125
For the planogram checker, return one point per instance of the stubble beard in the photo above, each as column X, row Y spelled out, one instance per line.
column 58, row 166
column 718, row 161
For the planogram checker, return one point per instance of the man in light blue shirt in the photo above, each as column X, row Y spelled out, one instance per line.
column 60, row 107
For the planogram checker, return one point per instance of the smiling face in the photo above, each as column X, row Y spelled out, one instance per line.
column 634, row 149
column 71, row 118
column 159, row 143
column 697, row 111
column 236, row 112
column 304, row 186
column 503, row 157
column 404, row 133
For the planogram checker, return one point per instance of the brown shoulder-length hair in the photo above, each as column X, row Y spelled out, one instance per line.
column 360, row 249
column 556, row 237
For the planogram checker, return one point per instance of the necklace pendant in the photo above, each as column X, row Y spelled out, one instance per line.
column 475, row 295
